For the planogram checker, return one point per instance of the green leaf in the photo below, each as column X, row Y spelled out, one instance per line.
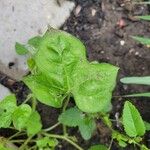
column 46, row 142
column 98, row 147
column 71, row 117
column 21, row 116
column 143, row 147
column 121, row 138
column 136, row 80
column 44, row 91
column 132, row 121
column 147, row 17
column 147, row 125
column 21, row 49
column 2, row 147
column 33, row 124
column 74, row 117
column 142, row 40
column 31, row 63
column 122, row 143
column 87, row 127
column 35, row 41
column 57, row 55
column 93, row 86
column 7, row 107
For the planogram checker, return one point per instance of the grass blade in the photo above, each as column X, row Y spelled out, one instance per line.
column 136, row 80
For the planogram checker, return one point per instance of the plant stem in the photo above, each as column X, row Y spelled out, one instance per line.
column 34, row 102
column 33, row 147
column 14, row 135
column 64, row 108
column 64, row 138
column 17, row 141
column 25, row 143
column 52, row 127
column 110, row 145
column 66, row 103
column 27, row 99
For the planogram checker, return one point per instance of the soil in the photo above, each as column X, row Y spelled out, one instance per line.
column 105, row 27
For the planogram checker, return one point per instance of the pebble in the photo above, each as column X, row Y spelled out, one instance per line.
column 93, row 11
column 136, row 53
column 77, row 10
column 122, row 42
column 4, row 92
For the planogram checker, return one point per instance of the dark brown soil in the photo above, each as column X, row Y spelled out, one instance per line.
column 98, row 24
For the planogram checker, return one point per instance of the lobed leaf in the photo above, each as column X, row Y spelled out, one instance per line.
column 7, row 107
column 62, row 67
column 132, row 121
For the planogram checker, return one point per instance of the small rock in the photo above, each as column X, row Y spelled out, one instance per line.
column 3, row 92
column 136, row 53
column 122, row 42
column 131, row 50
column 121, row 23
column 93, row 11
column 77, row 10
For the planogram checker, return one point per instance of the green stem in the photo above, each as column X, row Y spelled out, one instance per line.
column 34, row 102
column 110, row 145
column 64, row 108
column 33, row 147
column 52, row 127
column 17, row 141
column 64, row 138
column 66, row 103
column 27, row 99
column 14, row 135
column 19, row 133
column 25, row 143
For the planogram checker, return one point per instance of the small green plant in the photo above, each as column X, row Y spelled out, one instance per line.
column 60, row 73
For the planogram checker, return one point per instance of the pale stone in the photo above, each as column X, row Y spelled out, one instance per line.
column 3, row 92
column 21, row 20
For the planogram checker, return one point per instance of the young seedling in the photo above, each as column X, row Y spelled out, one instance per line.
column 60, row 73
